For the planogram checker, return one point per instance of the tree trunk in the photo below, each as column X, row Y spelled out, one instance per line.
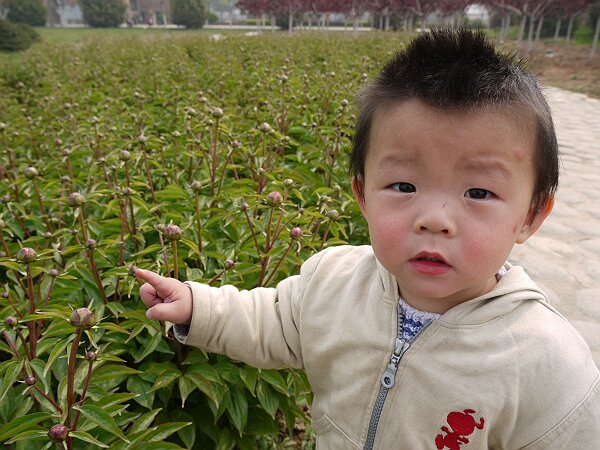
column 557, row 28
column 595, row 41
column 521, row 29
column 290, row 22
column 381, row 21
column 570, row 28
column 387, row 21
column 538, row 31
column 273, row 22
column 530, row 34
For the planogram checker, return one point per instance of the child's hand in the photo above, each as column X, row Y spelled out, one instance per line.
column 168, row 298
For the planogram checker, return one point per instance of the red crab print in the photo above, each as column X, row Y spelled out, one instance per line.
column 462, row 424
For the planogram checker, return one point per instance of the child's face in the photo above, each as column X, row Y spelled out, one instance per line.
column 446, row 195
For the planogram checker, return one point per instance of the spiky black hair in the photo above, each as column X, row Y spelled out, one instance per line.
column 461, row 68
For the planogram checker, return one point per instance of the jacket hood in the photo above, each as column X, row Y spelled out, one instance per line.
column 515, row 288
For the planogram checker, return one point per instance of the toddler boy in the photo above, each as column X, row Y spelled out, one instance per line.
column 427, row 338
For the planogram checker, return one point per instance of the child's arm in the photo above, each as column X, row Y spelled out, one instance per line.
column 167, row 298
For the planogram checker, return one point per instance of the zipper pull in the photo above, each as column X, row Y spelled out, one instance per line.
column 389, row 376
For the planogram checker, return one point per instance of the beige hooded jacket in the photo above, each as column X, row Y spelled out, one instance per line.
column 502, row 371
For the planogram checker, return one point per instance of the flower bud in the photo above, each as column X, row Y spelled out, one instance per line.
column 296, row 233
column 217, row 113
column 235, row 144
column 91, row 356
column 30, row 173
column 288, row 182
column 142, row 139
column 124, row 155
column 75, row 199
column 82, row 319
column 132, row 269
column 196, row 186
column 26, row 255
column 30, row 380
column 244, row 206
column 11, row 321
column 5, row 198
column 58, row 433
column 333, row 215
column 274, row 199
column 229, row 264
column 345, row 103
column 2, row 126
column 90, row 244
column 54, row 273
column 265, row 127
column 172, row 232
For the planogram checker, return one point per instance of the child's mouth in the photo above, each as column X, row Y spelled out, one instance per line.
column 430, row 264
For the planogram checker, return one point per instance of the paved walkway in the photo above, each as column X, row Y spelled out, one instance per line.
column 564, row 256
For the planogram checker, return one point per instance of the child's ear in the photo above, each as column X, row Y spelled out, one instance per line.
column 358, row 188
column 534, row 221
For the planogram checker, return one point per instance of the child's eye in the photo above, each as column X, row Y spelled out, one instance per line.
column 406, row 188
column 478, row 193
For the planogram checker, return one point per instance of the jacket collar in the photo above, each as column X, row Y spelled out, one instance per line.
column 513, row 289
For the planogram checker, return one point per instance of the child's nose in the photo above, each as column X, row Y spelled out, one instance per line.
column 436, row 218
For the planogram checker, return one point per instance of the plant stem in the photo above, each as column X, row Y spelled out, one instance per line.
column 82, row 224
column 198, row 222
column 148, row 173
column 274, row 271
column 31, row 324
column 325, row 234
column 175, row 260
column 83, row 393
column 11, row 344
column 47, row 397
column 71, row 376
column 96, row 275
column 42, row 209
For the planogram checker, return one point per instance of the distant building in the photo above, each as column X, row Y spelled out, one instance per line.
column 150, row 12
column 478, row 14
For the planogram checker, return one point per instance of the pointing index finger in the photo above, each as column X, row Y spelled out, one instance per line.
column 149, row 277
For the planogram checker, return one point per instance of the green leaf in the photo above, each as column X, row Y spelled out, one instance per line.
column 102, row 419
column 237, row 408
column 186, row 434
column 28, row 435
column 166, row 378
column 268, row 398
column 86, row 437
column 203, row 384
column 56, row 352
column 274, row 378
column 138, row 386
column 143, row 422
column 22, row 423
column 149, row 347
column 164, row 430
column 186, row 387
column 11, row 375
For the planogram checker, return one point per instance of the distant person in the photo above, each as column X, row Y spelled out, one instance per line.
column 150, row 21
column 427, row 338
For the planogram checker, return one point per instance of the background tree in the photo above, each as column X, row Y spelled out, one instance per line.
column 15, row 37
column 103, row 13
column 189, row 13
column 31, row 12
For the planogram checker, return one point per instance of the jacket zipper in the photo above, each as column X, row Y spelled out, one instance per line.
column 388, row 378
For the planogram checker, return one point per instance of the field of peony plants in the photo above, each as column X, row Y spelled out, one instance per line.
column 220, row 161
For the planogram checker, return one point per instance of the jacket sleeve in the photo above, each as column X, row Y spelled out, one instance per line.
column 258, row 326
column 579, row 430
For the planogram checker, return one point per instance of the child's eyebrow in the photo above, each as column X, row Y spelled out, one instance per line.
column 488, row 167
